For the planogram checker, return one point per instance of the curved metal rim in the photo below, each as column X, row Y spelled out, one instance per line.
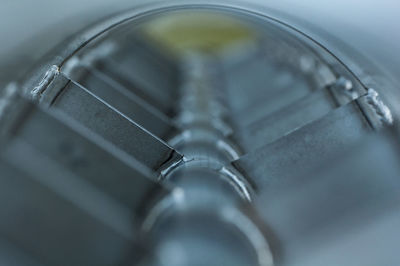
column 91, row 33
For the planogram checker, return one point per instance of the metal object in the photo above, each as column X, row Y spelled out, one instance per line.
column 305, row 147
column 213, row 149
column 72, row 186
column 78, row 103
column 357, row 190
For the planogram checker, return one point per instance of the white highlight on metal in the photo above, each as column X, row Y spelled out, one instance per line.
column 345, row 87
column 167, row 170
column 237, row 183
column 70, row 65
column 179, row 138
column 384, row 113
column 44, row 83
column 223, row 145
column 8, row 93
column 175, row 198
column 252, row 232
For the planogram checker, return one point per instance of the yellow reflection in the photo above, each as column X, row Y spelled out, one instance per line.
column 197, row 30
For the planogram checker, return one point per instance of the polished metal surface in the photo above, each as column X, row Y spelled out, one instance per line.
column 208, row 134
